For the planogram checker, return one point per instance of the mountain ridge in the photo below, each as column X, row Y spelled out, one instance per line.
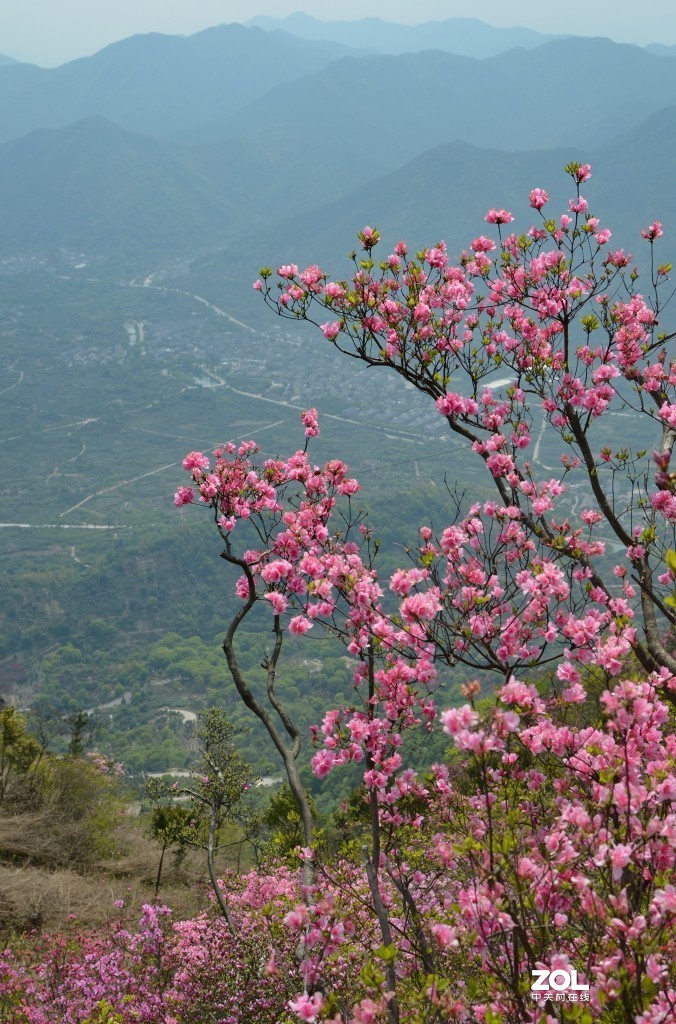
column 469, row 37
column 156, row 83
column 95, row 187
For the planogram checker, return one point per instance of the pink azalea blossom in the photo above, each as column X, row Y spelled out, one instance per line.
column 498, row 217
column 331, row 330
column 653, row 231
column 538, row 198
column 184, row 496
column 310, row 421
column 299, row 624
column 445, row 935
column 287, row 270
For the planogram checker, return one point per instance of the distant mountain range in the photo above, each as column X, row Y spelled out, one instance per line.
column 94, row 186
column 466, row 37
column 661, row 50
column 170, row 146
column 391, row 107
column 444, row 194
column 159, row 84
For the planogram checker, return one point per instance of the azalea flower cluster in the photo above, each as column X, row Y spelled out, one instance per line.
column 160, row 971
column 557, row 316
column 562, row 854
column 581, row 851
column 291, row 502
column 311, row 573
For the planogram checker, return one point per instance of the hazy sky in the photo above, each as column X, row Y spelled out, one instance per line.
column 53, row 31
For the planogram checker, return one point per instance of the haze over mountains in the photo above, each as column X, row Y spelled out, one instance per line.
column 212, row 136
column 159, row 84
column 467, row 37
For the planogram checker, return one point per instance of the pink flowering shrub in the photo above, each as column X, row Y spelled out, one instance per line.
column 248, row 977
column 73, row 979
column 558, row 316
column 547, row 843
column 567, row 840
column 547, row 840
column 564, row 854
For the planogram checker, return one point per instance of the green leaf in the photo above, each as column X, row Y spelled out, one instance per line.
column 388, row 954
column 590, row 322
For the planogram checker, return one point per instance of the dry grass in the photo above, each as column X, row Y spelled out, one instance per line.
column 31, row 837
column 32, row 897
column 41, row 887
